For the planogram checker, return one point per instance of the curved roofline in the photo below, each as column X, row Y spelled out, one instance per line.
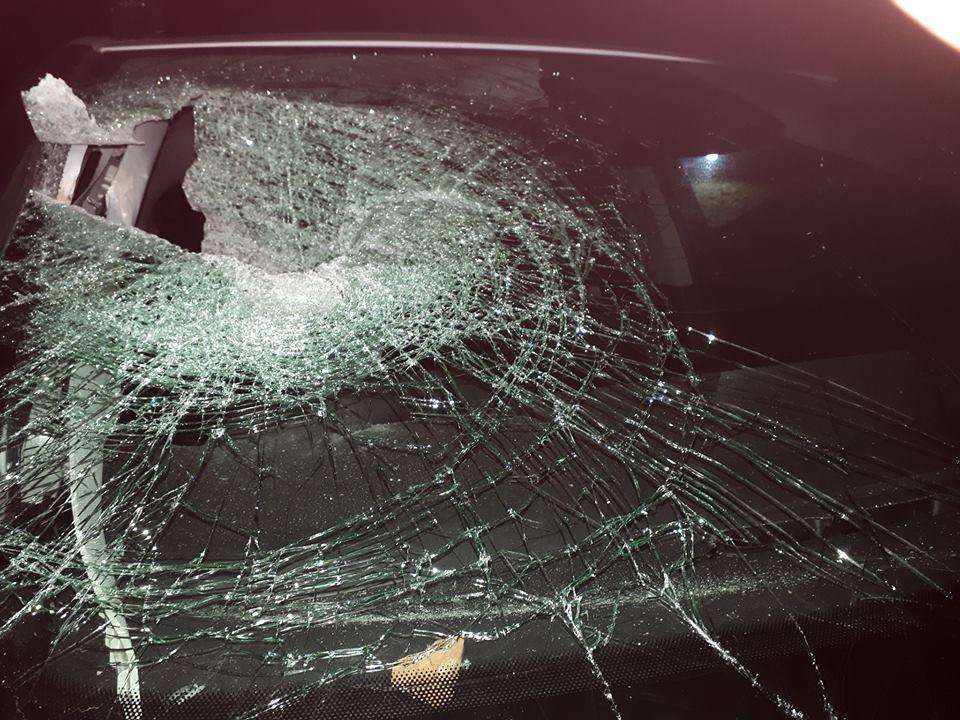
column 390, row 42
column 384, row 42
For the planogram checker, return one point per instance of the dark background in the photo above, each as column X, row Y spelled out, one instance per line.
column 824, row 36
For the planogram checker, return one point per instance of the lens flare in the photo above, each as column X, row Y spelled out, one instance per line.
column 939, row 17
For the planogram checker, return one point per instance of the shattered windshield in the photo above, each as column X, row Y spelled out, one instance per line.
column 477, row 363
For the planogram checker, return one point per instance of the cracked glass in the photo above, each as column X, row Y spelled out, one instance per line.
column 424, row 400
